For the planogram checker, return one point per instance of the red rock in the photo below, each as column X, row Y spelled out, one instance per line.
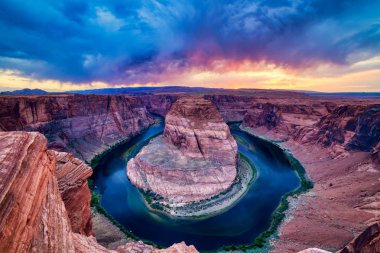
column 178, row 248
column 72, row 176
column 83, row 125
column 32, row 215
column 159, row 103
column 195, row 127
column 194, row 160
column 367, row 242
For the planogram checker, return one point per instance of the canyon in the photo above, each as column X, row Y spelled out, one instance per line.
column 195, row 159
column 44, row 200
column 78, row 124
column 44, row 196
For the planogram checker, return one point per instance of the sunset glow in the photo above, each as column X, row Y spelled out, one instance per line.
column 302, row 45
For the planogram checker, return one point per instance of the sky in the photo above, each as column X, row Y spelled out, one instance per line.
column 320, row 45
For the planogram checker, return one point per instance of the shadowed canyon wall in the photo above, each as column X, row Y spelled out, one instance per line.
column 83, row 125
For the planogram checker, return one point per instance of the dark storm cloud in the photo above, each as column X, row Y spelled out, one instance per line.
column 144, row 41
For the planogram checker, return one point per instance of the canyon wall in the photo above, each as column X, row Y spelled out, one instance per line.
column 32, row 215
column 72, row 175
column 38, row 192
column 340, row 128
column 83, row 125
column 367, row 242
column 159, row 104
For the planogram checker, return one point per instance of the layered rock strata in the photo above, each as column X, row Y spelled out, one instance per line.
column 339, row 152
column 33, row 216
column 368, row 241
column 72, row 176
column 195, row 158
column 83, row 125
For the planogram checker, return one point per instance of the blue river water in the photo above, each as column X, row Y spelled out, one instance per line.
column 240, row 224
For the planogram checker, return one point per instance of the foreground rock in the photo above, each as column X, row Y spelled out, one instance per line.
column 72, row 176
column 368, row 241
column 33, row 216
column 195, row 158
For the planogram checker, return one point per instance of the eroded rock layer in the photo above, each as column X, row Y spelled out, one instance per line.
column 72, row 176
column 33, row 216
column 366, row 242
column 83, row 125
column 194, row 160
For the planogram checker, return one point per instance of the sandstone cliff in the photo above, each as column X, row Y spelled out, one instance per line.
column 195, row 127
column 343, row 200
column 83, row 125
column 72, row 176
column 340, row 128
column 194, row 160
column 33, row 216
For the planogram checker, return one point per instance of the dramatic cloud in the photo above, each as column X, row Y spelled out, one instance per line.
column 153, row 41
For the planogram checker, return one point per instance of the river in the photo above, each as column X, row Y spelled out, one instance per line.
column 240, row 224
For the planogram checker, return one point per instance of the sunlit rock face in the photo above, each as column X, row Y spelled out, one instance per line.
column 38, row 192
column 33, row 217
column 72, row 176
column 368, row 241
column 195, row 127
column 195, row 158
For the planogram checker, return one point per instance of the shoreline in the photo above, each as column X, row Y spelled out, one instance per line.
column 264, row 240
column 96, row 197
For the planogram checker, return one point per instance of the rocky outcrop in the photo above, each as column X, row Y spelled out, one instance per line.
column 83, row 125
column 89, row 245
column 366, row 242
column 178, row 248
column 196, row 128
column 346, row 127
column 194, row 160
column 72, row 176
column 314, row 250
column 32, row 215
